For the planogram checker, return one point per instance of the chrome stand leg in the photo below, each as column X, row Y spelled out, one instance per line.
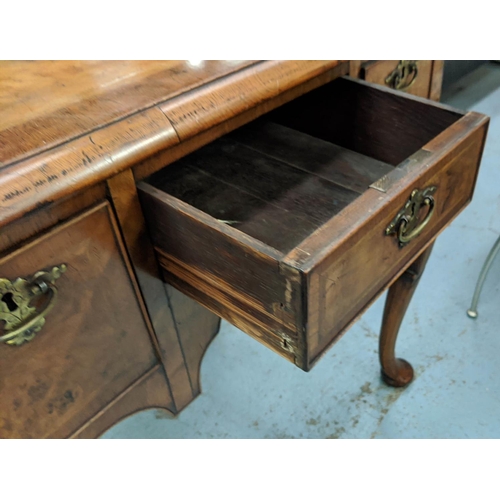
column 472, row 311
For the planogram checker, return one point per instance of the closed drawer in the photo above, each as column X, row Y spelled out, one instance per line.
column 92, row 344
column 292, row 225
column 413, row 77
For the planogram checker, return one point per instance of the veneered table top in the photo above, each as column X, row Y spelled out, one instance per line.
column 66, row 125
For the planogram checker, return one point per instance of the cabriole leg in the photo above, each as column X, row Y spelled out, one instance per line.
column 398, row 372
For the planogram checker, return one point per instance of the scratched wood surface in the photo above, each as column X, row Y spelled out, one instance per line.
column 95, row 119
column 46, row 103
column 91, row 348
column 271, row 182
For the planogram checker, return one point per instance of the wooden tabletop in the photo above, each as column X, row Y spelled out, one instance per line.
column 46, row 103
column 66, row 125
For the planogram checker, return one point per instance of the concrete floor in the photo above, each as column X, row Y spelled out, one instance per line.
column 249, row 392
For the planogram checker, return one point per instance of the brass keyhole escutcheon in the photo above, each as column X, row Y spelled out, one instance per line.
column 21, row 319
column 9, row 301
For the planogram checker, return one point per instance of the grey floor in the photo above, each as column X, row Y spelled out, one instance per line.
column 249, row 392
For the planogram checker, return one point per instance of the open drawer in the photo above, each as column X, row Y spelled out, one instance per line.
column 290, row 226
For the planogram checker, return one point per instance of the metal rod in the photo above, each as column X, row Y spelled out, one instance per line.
column 472, row 311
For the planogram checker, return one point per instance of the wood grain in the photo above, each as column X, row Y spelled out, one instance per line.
column 232, row 267
column 298, row 304
column 68, row 129
column 377, row 122
column 192, row 114
column 196, row 327
column 48, row 103
column 91, row 347
column 86, row 161
column 360, row 264
column 233, row 308
column 267, row 222
column 253, row 104
column 343, row 167
column 171, row 322
column 378, row 71
column 355, row 68
column 126, row 204
column 149, row 391
column 47, row 216
column 436, row 80
column 262, row 195
column 74, row 162
column 398, row 372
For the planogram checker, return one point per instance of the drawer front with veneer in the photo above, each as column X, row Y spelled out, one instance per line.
column 413, row 77
column 68, row 346
column 292, row 225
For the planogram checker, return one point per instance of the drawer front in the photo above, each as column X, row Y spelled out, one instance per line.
column 361, row 267
column 413, row 77
column 280, row 227
column 94, row 342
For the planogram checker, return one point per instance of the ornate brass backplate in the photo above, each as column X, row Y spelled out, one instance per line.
column 407, row 224
column 403, row 76
column 21, row 319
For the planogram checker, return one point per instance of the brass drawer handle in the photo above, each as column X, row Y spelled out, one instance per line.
column 403, row 76
column 22, row 322
column 406, row 224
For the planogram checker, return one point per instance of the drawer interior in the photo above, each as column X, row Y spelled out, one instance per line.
column 284, row 175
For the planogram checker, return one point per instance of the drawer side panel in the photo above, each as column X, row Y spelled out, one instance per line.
column 232, row 277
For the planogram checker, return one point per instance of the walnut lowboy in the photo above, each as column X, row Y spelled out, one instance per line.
column 277, row 194
column 291, row 226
